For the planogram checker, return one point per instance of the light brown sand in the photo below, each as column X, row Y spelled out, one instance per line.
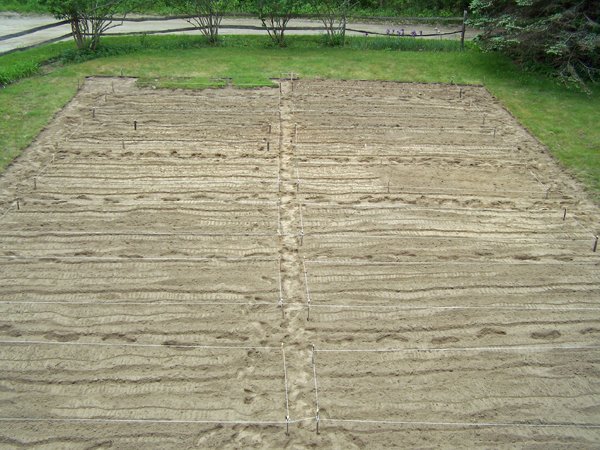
column 141, row 277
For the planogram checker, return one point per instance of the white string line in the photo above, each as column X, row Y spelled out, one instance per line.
column 154, row 421
column 287, row 402
column 279, row 228
column 174, row 180
column 397, row 235
column 546, row 189
column 297, row 177
column 592, row 233
column 7, row 210
column 377, row 159
column 474, row 129
column 10, row 258
column 95, row 139
column 390, row 115
column 43, row 169
column 165, row 161
column 431, row 192
column 119, row 112
column 314, row 364
column 466, row 424
column 407, row 206
column 306, row 283
column 341, row 183
column 508, row 262
column 301, row 221
column 109, row 344
column 399, row 150
column 524, row 348
column 280, row 303
column 147, row 303
column 143, row 233
column 163, row 204
column 574, row 216
column 527, row 307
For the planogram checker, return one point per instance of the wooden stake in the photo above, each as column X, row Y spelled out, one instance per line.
column 34, row 183
column 93, row 113
column 595, row 244
column 123, row 144
column 463, row 30
column 268, row 146
column 565, row 214
column 18, row 205
column 494, row 132
column 460, row 93
column 112, row 84
column 483, row 123
column 135, row 124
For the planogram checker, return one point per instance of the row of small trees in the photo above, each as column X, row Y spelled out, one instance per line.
column 90, row 19
column 562, row 34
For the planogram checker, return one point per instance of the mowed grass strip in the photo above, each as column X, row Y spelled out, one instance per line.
column 564, row 119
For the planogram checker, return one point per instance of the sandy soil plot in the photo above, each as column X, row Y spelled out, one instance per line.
column 158, row 247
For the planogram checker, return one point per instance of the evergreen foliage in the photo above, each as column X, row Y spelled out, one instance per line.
column 562, row 34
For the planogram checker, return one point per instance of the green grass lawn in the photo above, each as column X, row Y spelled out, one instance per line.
column 563, row 119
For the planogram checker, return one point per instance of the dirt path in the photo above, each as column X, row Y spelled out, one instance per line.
column 165, row 244
column 11, row 23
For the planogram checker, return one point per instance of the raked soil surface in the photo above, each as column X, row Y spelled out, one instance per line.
column 392, row 264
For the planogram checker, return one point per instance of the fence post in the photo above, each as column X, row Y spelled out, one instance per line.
column 462, row 31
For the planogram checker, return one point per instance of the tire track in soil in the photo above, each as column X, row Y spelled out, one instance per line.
column 294, row 322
